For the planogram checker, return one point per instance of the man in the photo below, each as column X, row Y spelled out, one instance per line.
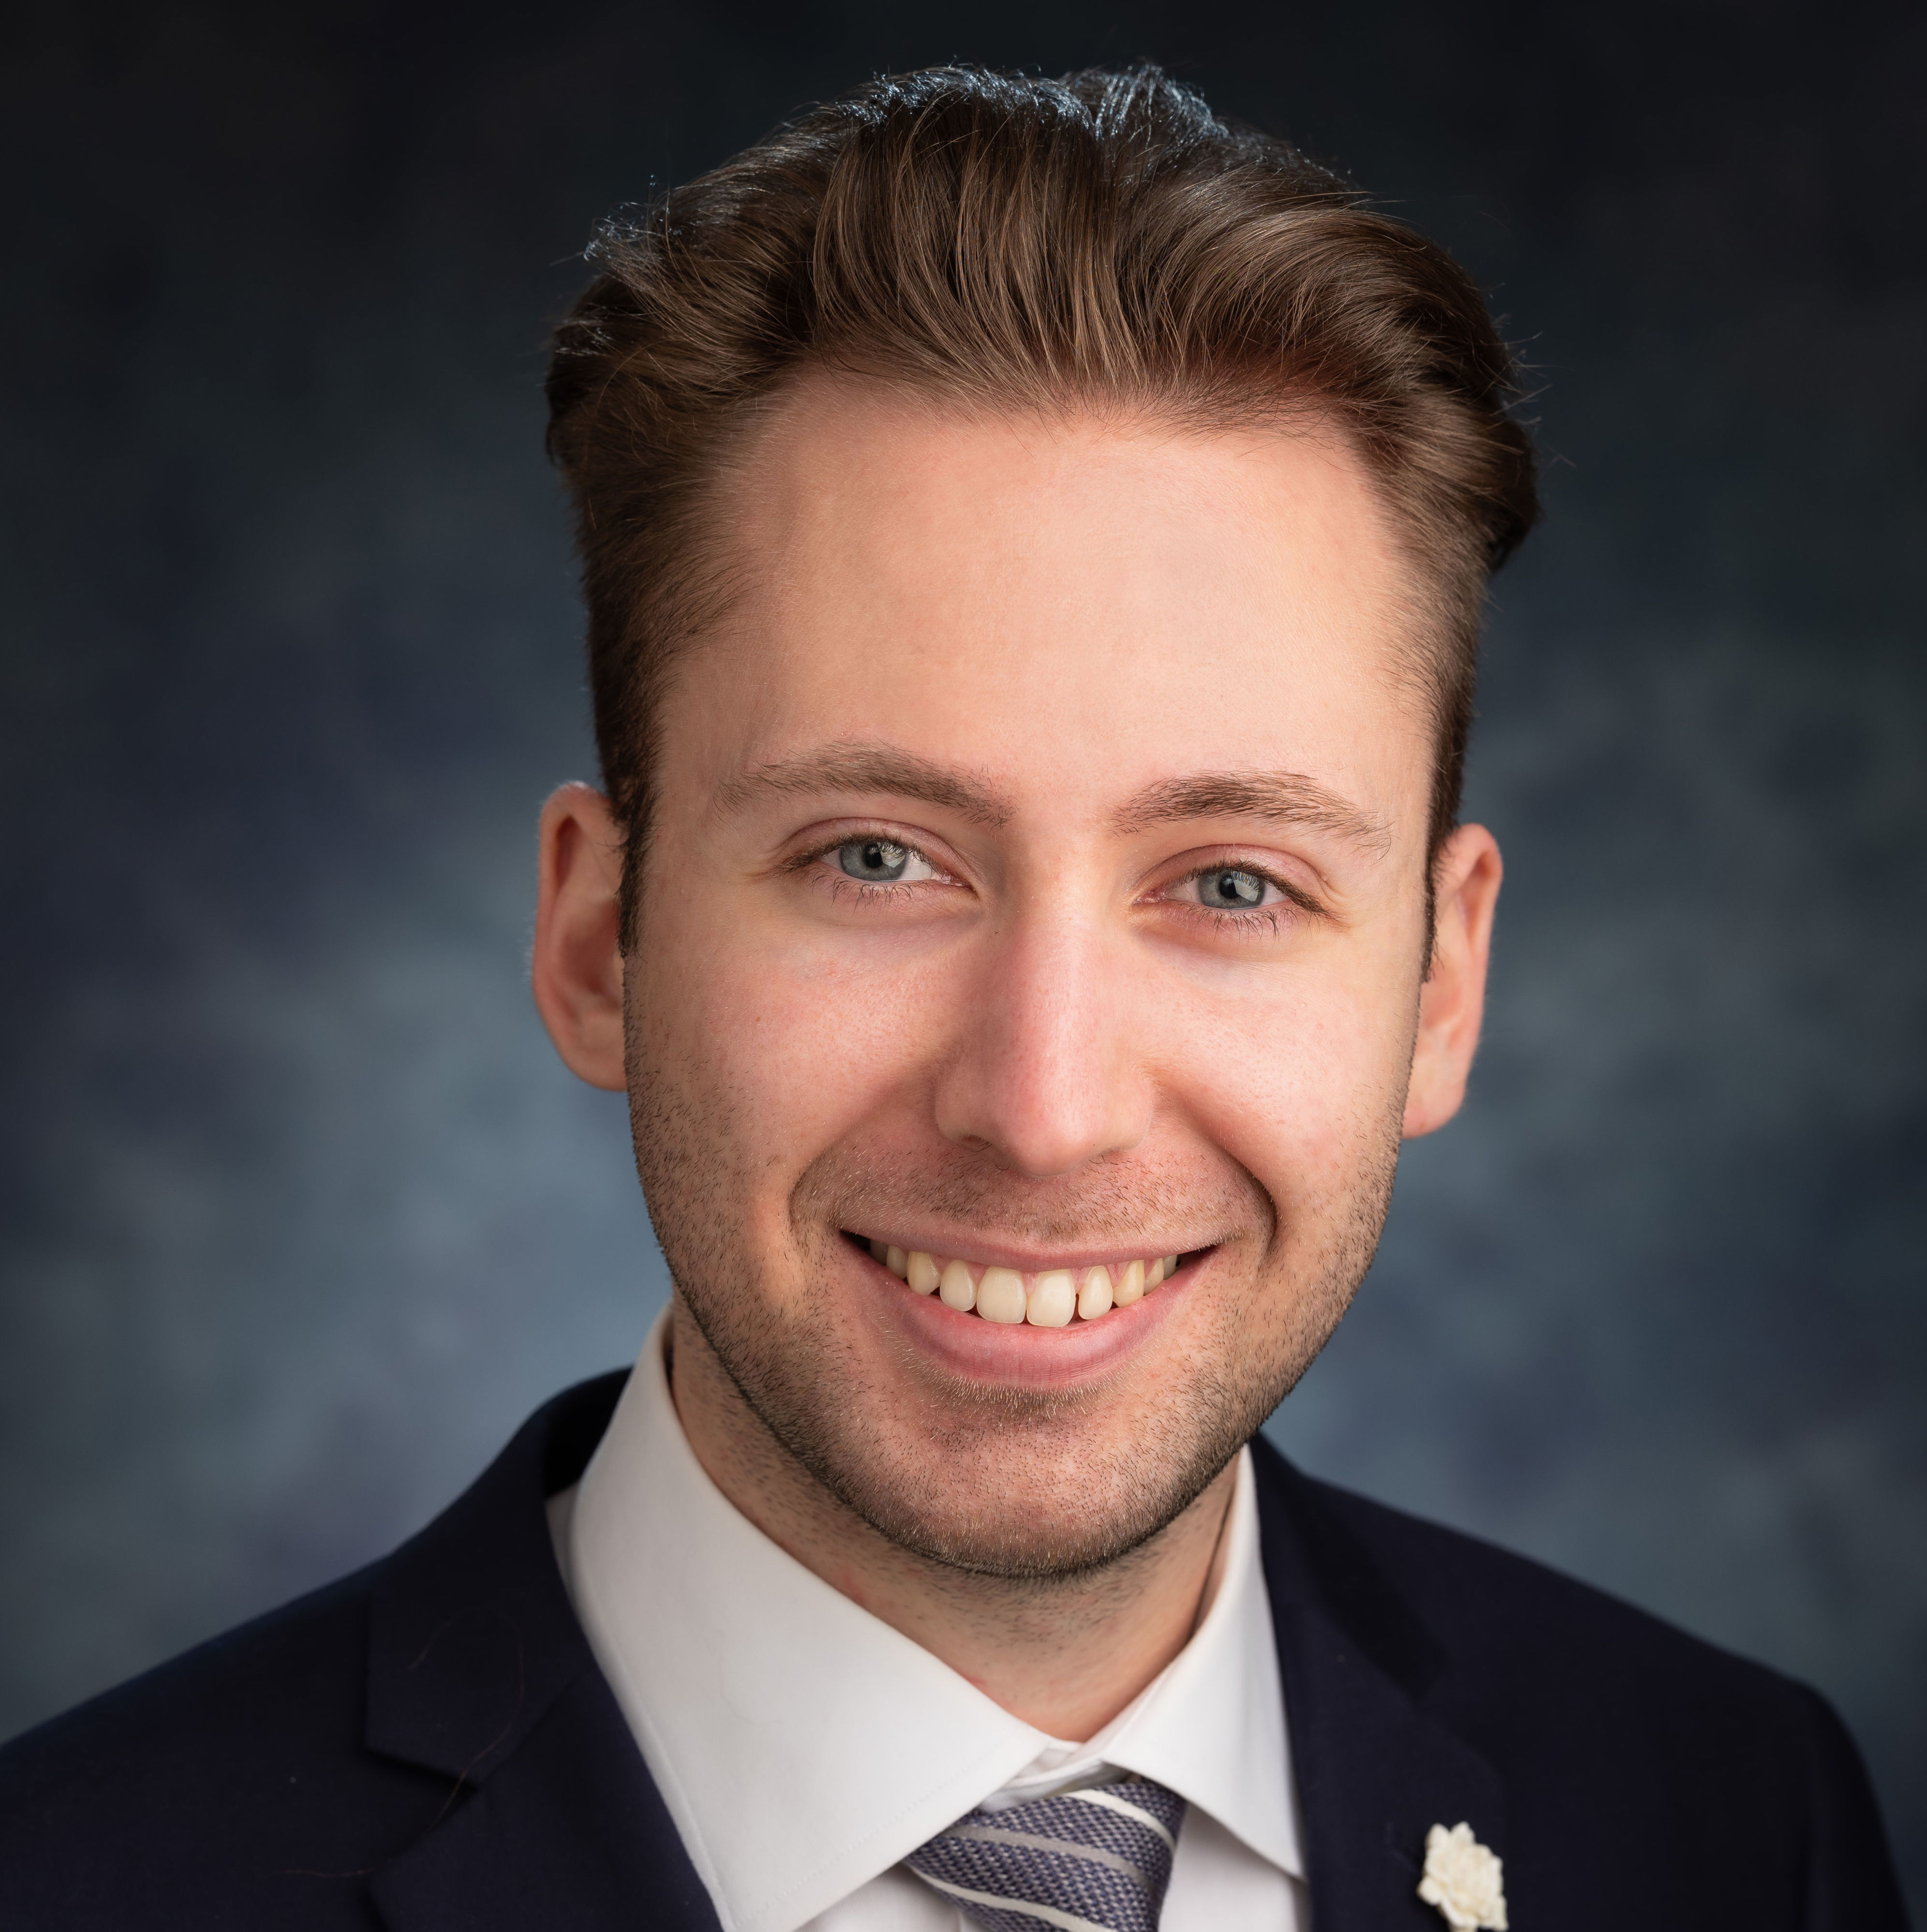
column 1034, row 541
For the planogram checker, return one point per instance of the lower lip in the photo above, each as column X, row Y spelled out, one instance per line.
column 1015, row 1354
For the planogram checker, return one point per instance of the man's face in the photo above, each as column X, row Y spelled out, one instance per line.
column 1037, row 880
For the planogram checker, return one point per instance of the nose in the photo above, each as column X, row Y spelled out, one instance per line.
column 1043, row 1073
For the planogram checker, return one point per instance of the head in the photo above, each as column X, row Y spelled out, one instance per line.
column 1034, row 540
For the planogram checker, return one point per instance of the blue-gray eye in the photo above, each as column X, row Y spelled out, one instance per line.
column 878, row 862
column 1231, row 891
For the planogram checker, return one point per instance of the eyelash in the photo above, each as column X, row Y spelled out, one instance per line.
column 840, row 885
column 1269, row 919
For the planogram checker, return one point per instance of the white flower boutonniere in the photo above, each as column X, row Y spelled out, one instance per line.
column 1463, row 1879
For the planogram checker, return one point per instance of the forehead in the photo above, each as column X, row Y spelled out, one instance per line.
column 1120, row 598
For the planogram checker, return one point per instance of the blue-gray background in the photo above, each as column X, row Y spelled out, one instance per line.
column 300, row 1215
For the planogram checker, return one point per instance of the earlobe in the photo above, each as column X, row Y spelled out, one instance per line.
column 576, row 967
column 1451, row 1002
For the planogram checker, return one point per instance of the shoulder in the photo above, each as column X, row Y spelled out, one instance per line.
column 220, row 1775
column 261, row 1779
column 1611, row 1728
column 1504, row 1622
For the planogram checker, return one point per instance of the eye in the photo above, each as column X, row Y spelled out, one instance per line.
column 1231, row 889
column 881, row 861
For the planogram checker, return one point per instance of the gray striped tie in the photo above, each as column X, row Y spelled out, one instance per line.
column 1096, row 1860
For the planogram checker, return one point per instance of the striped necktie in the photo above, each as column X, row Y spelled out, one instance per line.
column 1096, row 1860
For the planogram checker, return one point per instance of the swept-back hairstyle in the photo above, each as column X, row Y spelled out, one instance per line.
column 1101, row 241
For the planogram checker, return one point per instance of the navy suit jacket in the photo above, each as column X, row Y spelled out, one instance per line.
column 429, row 1744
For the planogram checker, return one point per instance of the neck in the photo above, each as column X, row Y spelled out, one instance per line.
column 1066, row 1654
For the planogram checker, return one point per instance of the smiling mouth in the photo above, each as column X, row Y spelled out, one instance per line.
column 1048, row 1298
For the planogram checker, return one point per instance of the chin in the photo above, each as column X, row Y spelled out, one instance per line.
column 1007, row 1483
column 1035, row 1525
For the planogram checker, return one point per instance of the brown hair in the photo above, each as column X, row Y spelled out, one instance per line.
column 1102, row 240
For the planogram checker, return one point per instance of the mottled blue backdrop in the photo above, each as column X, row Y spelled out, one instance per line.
column 301, row 1214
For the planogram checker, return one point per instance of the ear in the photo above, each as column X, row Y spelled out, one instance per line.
column 1452, row 1003
column 576, row 970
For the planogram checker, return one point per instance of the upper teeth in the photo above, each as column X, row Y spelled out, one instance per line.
column 1047, row 1300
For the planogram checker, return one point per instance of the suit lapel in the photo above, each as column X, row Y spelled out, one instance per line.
column 571, row 1830
column 477, row 1671
column 1374, row 1770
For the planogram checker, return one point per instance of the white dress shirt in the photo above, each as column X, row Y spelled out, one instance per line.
column 803, row 1746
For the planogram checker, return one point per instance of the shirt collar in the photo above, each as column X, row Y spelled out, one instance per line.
column 802, row 1746
column 1212, row 1724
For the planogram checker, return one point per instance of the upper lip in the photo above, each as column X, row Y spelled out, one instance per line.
column 1025, row 1259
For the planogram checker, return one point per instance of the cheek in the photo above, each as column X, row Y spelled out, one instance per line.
column 796, row 1040
column 1297, row 1086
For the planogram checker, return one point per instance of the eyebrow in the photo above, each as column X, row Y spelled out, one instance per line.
column 1282, row 798
column 868, row 768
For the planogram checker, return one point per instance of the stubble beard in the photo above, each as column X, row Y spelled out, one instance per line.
column 1024, row 1485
